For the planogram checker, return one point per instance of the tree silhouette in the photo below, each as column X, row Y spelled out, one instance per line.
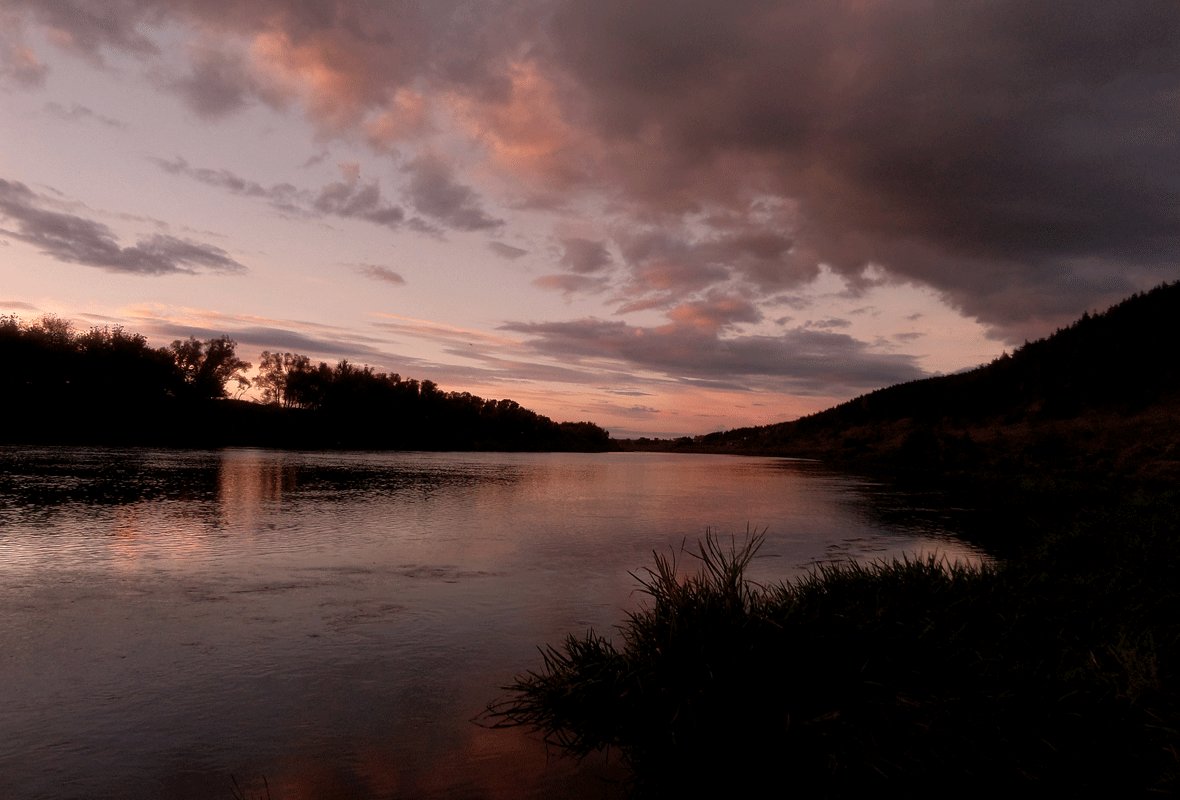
column 208, row 366
column 109, row 386
column 279, row 377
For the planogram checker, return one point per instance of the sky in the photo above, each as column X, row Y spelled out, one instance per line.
column 666, row 217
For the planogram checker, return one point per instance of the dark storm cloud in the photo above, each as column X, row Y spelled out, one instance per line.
column 434, row 192
column 801, row 361
column 992, row 150
column 78, row 240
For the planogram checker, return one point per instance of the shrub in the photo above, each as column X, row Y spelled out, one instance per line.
column 912, row 676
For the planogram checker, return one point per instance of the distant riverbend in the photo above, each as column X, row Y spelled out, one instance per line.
column 172, row 621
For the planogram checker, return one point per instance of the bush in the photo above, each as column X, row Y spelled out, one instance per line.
column 914, row 677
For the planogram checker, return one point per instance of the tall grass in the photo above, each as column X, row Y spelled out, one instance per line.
column 915, row 677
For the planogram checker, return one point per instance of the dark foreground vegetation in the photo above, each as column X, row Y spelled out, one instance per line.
column 1052, row 671
column 1052, row 675
column 108, row 386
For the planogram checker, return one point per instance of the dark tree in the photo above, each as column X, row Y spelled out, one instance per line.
column 109, row 386
column 208, row 366
column 279, row 378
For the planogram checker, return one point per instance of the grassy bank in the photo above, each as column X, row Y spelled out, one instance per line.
column 1054, row 672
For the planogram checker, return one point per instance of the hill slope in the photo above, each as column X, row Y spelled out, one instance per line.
column 1100, row 396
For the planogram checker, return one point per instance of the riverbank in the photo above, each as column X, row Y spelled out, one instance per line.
column 1052, row 672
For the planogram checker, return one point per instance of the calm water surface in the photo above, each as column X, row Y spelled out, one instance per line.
column 173, row 621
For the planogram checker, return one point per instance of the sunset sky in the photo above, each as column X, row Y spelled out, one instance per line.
column 665, row 217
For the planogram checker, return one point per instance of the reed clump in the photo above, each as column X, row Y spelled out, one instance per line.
column 915, row 676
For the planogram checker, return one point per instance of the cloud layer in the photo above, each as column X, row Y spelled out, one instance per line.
column 1019, row 159
column 78, row 240
column 692, row 348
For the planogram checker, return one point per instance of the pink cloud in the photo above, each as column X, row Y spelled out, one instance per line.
column 714, row 314
column 967, row 147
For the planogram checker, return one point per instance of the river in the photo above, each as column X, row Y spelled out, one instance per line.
column 219, row 624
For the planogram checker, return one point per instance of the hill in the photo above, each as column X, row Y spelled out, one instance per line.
column 1099, row 397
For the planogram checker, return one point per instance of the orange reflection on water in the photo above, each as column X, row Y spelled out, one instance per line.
column 139, row 534
column 483, row 763
column 249, row 483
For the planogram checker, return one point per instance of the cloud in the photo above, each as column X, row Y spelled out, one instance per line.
column 584, row 256
column 89, row 28
column 284, row 196
column 1021, row 161
column 506, row 250
column 19, row 64
column 318, row 158
column 714, row 314
column 670, row 263
column 663, row 262
column 263, row 333
column 77, row 240
column 800, row 361
column 434, row 192
column 273, row 338
column 17, row 304
column 439, row 332
column 406, row 116
column 218, row 84
column 571, row 284
column 829, row 324
column 383, row 274
column 966, row 146
column 77, row 113
column 515, row 111
column 348, row 198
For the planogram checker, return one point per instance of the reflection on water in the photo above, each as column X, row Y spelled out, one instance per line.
column 333, row 621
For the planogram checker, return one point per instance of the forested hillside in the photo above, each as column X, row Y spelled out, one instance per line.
column 1100, row 395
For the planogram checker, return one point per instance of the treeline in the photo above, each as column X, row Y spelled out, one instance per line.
column 109, row 386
